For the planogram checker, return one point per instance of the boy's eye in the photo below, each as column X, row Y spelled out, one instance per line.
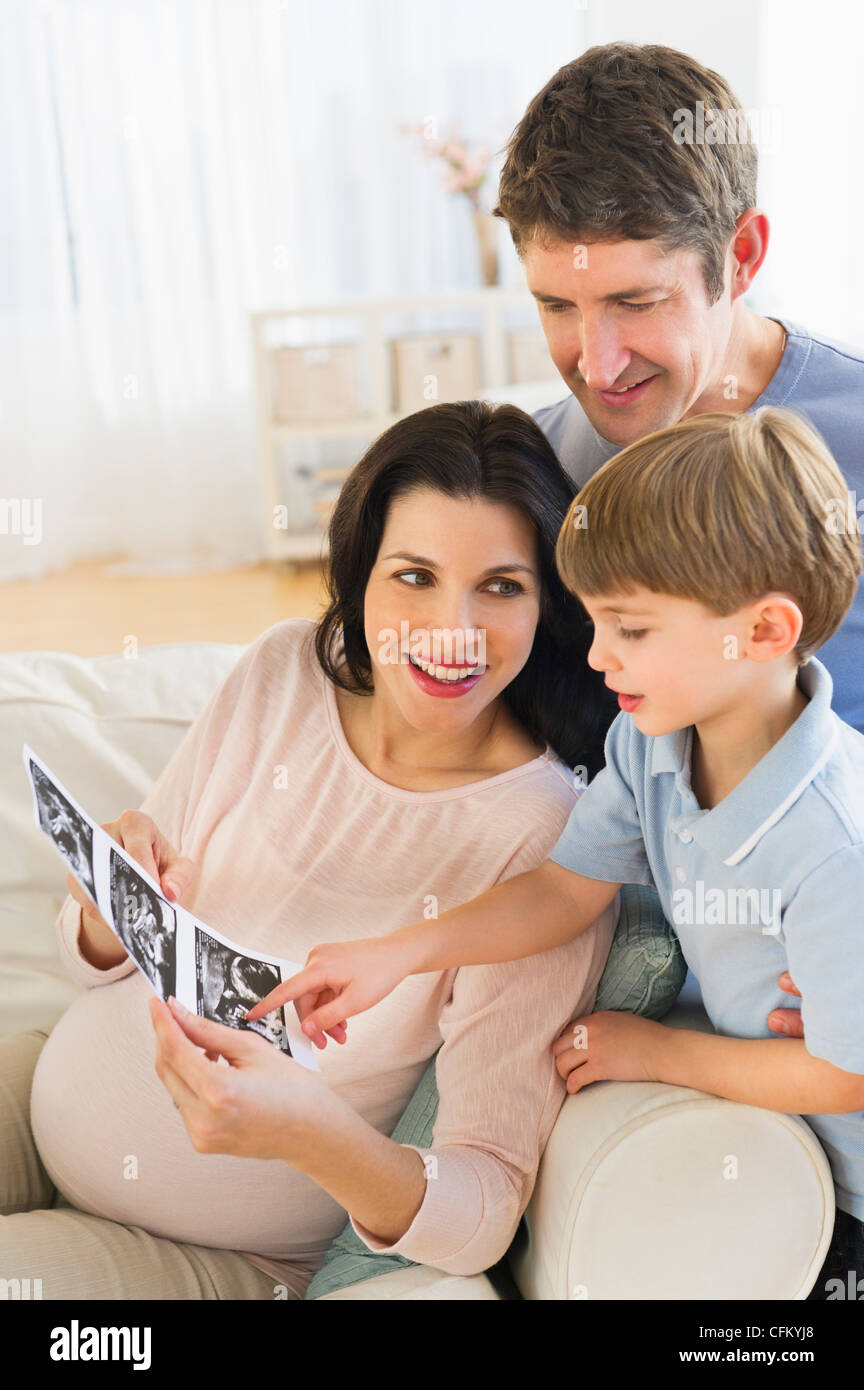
column 634, row 632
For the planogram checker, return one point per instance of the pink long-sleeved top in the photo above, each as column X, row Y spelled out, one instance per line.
column 299, row 843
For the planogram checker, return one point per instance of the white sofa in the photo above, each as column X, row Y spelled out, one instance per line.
column 645, row 1191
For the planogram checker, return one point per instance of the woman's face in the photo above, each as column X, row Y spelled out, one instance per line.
column 467, row 568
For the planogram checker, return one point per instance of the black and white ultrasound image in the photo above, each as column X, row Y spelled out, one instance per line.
column 72, row 835
column 228, row 983
column 146, row 924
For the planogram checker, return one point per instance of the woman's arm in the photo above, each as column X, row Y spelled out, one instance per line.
column 456, row 1204
column 380, row 1183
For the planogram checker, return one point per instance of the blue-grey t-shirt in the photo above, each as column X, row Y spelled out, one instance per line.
column 770, row 879
column 824, row 381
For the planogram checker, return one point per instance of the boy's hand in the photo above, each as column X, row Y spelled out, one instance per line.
column 787, row 1021
column 339, row 979
column 608, row 1046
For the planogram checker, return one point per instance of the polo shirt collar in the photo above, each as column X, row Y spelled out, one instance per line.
column 735, row 827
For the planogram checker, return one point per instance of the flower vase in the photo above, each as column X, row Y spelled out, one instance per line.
column 486, row 228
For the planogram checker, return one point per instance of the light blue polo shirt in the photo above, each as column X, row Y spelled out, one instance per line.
column 824, row 381
column 771, row 879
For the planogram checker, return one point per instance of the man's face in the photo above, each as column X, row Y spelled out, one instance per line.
column 624, row 312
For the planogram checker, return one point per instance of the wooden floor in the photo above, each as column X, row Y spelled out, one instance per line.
column 89, row 610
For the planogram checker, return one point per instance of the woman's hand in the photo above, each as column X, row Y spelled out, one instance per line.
column 144, row 842
column 339, row 979
column 787, row 1021
column 263, row 1105
column 607, row 1046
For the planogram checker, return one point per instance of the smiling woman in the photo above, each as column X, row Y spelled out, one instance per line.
column 326, row 792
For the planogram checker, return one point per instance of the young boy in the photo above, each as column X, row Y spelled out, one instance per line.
column 713, row 559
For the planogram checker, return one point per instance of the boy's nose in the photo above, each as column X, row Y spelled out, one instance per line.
column 599, row 657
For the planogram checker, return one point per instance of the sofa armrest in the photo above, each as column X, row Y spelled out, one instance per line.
column 652, row 1191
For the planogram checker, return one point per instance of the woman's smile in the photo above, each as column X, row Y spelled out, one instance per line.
column 447, row 682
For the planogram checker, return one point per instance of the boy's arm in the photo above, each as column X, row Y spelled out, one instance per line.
column 601, row 848
column 526, row 914
column 775, row 1073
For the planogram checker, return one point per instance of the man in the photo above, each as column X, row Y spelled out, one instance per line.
column 639, row 241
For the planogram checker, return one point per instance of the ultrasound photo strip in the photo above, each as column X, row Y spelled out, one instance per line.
column 175, row 952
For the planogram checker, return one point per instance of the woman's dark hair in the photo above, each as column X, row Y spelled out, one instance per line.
column 473, row 449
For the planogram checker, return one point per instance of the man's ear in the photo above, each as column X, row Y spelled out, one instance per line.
column 749, row 246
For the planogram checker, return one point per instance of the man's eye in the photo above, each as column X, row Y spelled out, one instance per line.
column 634, row 632
column 555, row 308
column 514, row 587
column 637, row 308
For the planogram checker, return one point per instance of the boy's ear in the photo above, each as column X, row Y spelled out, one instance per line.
column 776, row 623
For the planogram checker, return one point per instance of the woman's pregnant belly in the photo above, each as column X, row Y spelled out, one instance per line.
column 112, row 1142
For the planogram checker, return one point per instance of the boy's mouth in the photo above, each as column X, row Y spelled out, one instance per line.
column 629, row 702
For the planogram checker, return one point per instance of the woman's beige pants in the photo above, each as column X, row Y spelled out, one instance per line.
column 76, row 1255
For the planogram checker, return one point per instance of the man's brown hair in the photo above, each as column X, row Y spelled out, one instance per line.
column 720, row 509
column 594, row 158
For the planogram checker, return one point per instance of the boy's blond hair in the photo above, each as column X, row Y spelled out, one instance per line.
column 720, row 509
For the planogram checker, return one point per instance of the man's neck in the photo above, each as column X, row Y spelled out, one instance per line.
column 753, row 354
column 726, row 750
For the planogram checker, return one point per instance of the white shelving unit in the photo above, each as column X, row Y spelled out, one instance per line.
column 375, row 337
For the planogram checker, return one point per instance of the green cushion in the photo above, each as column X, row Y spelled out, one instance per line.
column 645, row 969
column 644, row 974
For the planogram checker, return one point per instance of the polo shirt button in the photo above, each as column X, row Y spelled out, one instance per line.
column 685, row 835
column 681, row 874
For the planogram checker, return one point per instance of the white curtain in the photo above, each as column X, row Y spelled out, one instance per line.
column 810, row 98
column 168, row 166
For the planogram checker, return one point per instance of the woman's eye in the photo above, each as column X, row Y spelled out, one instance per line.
column 514, row 587
column 410, row 576
column 634, row 632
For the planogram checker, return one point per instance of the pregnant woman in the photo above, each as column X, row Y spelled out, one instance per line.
column 337, row 784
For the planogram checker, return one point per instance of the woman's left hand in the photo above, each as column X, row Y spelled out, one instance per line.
column 264, row 1105
column 607, row 1046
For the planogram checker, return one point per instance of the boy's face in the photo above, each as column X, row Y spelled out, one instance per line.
column 672, row 661
column 633, row 313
